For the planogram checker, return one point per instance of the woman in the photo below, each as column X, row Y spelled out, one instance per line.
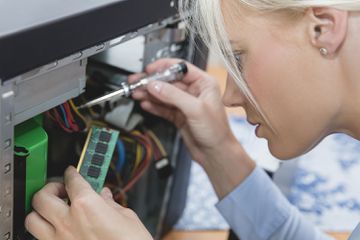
column 293, row 67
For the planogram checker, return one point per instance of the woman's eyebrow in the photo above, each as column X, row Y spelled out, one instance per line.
column 235, row 43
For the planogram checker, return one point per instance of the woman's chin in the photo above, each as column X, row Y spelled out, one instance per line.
column 283, row 152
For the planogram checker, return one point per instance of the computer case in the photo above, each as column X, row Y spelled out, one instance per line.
column 48, row 59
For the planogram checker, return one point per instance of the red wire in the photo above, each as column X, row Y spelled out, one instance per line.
column 50, row 116
column 146, row 142
column 70, row 117
column 145, row 163
column 138, row 175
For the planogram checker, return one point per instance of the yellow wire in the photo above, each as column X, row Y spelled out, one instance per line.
column 93, row 114
column 139, row 153
column 136, row 132
column 98, row 123
column 78, row 113
column 117, row 174
column 112, row 166
column 157, row 141
column 139, row 150
column 128, row 139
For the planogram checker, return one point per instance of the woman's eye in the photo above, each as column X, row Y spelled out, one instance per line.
column 238, row 60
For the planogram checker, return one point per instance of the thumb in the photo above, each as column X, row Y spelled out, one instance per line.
column 174, row 96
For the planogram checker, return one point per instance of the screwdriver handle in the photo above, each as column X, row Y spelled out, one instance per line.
column 174, row 73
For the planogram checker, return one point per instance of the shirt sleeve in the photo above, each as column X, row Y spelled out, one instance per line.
column 257, row 210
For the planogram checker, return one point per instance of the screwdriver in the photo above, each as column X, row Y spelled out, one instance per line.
column 174, row 73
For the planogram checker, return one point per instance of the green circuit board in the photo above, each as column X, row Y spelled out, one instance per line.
column 96, row 155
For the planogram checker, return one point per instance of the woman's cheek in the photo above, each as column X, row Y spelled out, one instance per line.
column 263, row 83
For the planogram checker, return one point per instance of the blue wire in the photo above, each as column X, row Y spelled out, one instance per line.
column 121, row 151
column 64, row 115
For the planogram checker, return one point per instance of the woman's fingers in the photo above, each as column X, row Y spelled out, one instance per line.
column 171, row 95
column 142, row 94
column 48, row 202
column 135, row 77
column 170, row 114
column 39, row 227
column 76, row 186
column 161, row 64
column 181, row 85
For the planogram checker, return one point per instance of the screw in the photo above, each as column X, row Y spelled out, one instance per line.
column 7, row 143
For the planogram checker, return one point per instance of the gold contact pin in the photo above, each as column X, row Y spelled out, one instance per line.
column 84, row 150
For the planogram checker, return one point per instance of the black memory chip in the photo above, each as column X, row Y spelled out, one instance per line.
column 93, row 172
column 97, row 159
column 101, row 148
column 104, row 136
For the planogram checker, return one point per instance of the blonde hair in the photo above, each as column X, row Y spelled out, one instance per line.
column 205, row 17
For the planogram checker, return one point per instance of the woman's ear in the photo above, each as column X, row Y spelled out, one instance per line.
column 328, row 28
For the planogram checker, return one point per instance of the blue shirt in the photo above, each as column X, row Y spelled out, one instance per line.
column 257, row 210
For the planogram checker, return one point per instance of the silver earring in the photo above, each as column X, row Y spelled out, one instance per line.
column 324, row 51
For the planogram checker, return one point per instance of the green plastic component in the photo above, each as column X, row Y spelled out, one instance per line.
column 98, row 155
column 39, row 119
column 33, row 137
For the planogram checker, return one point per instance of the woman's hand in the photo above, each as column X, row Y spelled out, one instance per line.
column 89, row 217
column 194, row 105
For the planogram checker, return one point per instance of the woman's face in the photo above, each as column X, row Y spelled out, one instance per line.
column 296, row 88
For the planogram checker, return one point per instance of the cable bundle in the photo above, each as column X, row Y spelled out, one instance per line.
column 146, row 147
column 64, row 117
column 135, row 150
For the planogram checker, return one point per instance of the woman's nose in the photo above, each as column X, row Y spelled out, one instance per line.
column 233, row 96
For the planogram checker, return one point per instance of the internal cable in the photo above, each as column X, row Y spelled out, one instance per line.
column 78, row 113
column 71, row 119
column 121, row 152
column 158, row 143
column 64, row 116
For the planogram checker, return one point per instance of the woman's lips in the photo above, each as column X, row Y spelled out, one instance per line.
column 251, row 122
column 257, row 129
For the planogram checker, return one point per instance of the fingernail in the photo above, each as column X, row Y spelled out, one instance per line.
column 70, row 169
column 107, row 193
column 156, row 86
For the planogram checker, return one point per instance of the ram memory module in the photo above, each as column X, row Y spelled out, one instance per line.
column 96, row 156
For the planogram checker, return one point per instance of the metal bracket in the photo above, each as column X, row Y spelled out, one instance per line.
column 165, row 42
column 6, row 161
